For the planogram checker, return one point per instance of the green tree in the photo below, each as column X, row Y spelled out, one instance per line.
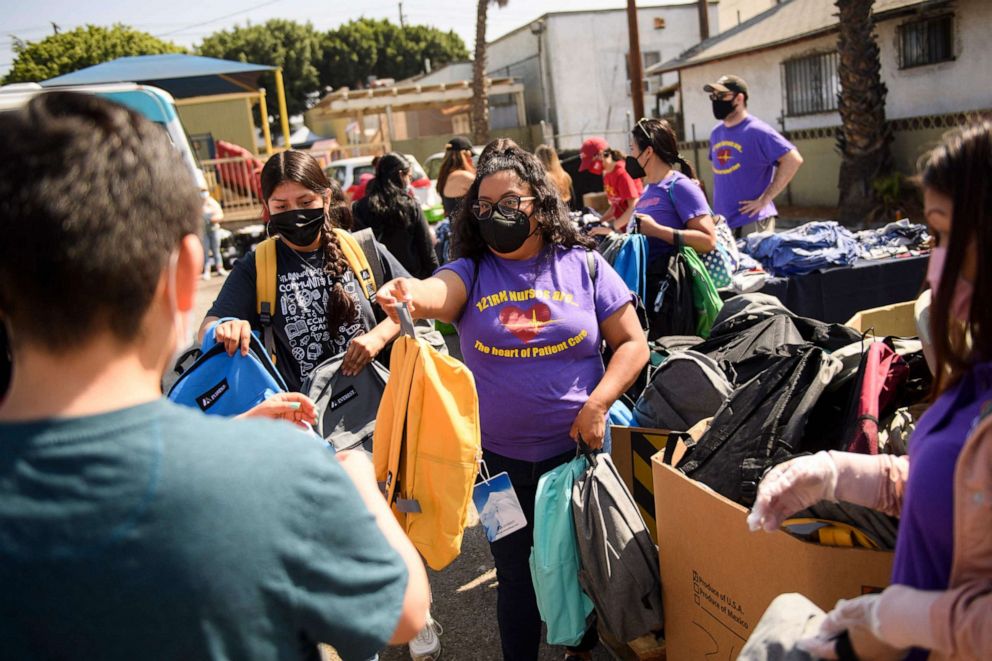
column 83, row 47
column 370, row 47
column 295, row 47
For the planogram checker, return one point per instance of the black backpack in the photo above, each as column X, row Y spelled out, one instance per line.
column 673, row 310
column 761, row 424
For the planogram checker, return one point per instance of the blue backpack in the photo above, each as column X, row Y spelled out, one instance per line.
column 219, row 384
column 554, row 558
column 631, row 263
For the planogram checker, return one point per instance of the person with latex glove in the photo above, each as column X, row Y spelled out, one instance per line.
column 939, row 605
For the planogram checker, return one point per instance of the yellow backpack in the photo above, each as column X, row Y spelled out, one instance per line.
column 265, row 277
column 427, row 445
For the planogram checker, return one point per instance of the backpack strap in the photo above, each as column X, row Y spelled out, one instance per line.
column 593, row 268
column 265, row 291
column 357, row 261
column 366, row 241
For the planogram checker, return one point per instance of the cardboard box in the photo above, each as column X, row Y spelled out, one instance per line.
column 897, row 319
column 596, row 201
column 632, row 450
column 717, row 577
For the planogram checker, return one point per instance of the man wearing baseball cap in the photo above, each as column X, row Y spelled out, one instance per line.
column 752, row 163
column 590, row 155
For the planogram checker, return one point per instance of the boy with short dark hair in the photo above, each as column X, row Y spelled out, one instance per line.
column 131, row 527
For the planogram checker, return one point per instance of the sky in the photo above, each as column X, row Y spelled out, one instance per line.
column 186, row 22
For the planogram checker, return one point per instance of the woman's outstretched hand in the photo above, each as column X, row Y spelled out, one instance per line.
column 391, row 294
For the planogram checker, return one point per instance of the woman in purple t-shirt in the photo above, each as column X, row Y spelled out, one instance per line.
column 672, row 207
column 940, row 602
column 531, row 320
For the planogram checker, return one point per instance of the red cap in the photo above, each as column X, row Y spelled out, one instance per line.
column 590, row 151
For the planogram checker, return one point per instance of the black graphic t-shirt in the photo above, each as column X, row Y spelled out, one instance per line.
column 302, row 335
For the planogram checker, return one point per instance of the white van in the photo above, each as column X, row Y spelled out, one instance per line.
column 152, row 102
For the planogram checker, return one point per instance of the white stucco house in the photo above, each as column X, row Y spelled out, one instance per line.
column 573, row 65
column 933, row 58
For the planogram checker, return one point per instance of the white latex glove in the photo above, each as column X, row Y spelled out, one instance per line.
column 847, row 615
column 898, row 618
column 793, row 486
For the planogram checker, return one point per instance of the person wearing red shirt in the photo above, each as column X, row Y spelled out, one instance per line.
column 622, row 190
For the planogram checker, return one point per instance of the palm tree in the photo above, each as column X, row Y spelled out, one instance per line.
column 480, row 84
column 864, row 136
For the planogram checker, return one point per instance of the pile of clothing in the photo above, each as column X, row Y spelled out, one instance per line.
column 821, row 244
column 894, row 239
column 807, row 248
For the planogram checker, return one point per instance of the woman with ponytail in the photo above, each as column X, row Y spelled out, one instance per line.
column 395, row 216
column 673, row 208
column 320, row 310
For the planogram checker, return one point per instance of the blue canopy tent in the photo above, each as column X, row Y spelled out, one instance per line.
column 184, row 76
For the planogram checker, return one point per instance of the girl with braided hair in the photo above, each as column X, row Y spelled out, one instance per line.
column 320, row 310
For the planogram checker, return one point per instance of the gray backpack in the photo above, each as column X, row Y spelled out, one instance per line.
column 346, row 405
column 686, row 388
column 619, row 561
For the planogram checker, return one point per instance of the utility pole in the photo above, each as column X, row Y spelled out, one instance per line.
column 402, row 20
column 704, row 19
column 636, row 70
column 55, row 27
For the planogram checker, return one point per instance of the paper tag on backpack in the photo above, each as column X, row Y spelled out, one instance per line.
column 498, row 506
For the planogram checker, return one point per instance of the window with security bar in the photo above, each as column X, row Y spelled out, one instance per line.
column 926, row 42
column 811, row 84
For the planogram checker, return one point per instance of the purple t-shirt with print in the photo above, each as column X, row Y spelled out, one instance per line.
column 656, row 201
column 743, row 159
column 530, row 335
column 925, row 545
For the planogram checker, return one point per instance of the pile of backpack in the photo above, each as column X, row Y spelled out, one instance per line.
column 767, row 386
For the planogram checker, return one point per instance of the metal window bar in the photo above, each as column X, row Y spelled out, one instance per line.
column 926, row 42
column 811, row 84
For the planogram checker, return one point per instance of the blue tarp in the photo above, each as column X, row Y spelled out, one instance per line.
column 181, row 75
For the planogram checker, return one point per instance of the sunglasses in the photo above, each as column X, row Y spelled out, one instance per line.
column 722, row 96
column 508, row 204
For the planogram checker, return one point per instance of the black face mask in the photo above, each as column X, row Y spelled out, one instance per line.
column 722, row 108
column 300, row 227
column 634, row 167
column 505, row 234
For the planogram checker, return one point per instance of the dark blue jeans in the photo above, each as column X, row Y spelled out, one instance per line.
column 516, row 606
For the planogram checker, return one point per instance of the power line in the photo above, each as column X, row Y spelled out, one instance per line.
column 219, row 18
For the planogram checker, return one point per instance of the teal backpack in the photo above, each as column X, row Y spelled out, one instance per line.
column 554, row 558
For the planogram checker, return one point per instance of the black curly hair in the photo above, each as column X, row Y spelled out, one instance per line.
column 504, row 155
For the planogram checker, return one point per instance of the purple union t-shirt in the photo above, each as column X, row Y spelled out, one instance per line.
column 530, row 335
column 743, row 159
column 657, row 201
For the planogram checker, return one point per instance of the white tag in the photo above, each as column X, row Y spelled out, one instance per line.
column 499, row 509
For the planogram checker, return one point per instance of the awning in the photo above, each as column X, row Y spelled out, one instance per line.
column 181, row 75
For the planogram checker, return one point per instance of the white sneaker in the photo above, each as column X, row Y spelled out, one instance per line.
column 427, row 646
column 206, row 275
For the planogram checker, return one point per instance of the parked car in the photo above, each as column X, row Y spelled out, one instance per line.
column 347, row 172
column 432, row 165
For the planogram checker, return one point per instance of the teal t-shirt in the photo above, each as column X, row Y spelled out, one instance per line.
column 156, row 532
